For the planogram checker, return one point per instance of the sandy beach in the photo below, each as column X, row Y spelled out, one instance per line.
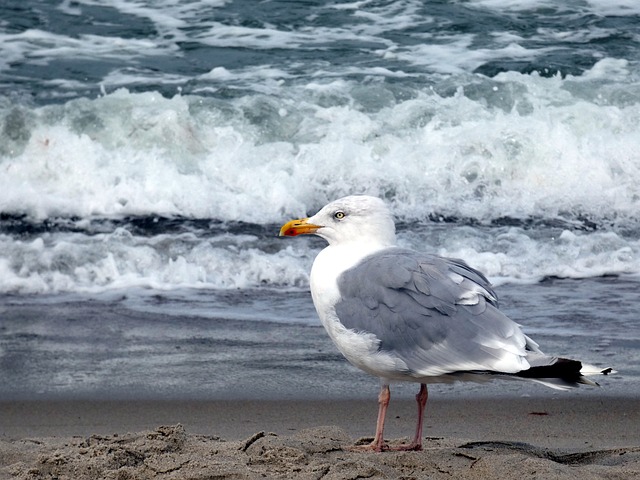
column 536, row 437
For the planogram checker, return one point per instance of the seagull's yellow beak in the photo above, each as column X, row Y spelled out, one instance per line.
column 298, row 227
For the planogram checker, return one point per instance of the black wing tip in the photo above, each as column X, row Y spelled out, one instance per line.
column 562, row 368
column 564, row 371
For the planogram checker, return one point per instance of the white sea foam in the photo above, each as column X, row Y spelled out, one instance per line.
column 614, row 7
column 454, row 55
column 40, row 47
column 516, row 5
column 120, row 260
column 513, row 254
column 72, row 262
column 516, row 145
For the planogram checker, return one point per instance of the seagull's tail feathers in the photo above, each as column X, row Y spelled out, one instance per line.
column 560, row 373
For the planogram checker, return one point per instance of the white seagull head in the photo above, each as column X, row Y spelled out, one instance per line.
column 356, row 218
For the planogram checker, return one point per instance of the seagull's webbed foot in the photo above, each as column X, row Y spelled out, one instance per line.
column 374, row 446
column 385, row 447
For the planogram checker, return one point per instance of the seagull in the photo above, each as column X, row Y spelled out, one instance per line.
column 402, row 315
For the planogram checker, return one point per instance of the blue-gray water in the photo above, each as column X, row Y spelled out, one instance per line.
column 257, row 344
column 149, row 151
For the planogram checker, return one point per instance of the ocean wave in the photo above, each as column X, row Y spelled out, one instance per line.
column 157, row 253
column 519, row 146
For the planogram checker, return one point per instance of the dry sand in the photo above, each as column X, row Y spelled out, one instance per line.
column 547, row 438
column 172, row 453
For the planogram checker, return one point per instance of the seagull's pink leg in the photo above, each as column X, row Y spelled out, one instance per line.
column 383, row 403
column 378, row 444
column 421, row 398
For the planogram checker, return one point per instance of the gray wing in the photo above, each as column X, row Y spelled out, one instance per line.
column 437, row 315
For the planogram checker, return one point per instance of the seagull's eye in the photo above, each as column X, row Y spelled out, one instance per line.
column 338, row 215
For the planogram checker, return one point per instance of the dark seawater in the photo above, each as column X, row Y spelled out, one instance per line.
column 255, row 344
column 149, row 151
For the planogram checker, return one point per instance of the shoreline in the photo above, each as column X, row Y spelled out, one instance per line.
column 553, row 422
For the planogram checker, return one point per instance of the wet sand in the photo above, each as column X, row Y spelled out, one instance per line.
column 547, row 437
